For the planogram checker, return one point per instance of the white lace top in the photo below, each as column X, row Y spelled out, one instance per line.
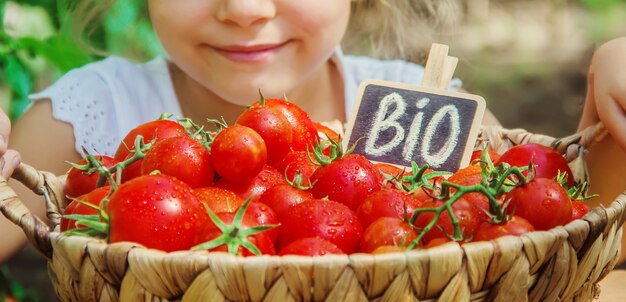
column 106, row 99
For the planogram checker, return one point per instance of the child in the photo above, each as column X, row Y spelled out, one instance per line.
column 606, row 102
column 220, row 54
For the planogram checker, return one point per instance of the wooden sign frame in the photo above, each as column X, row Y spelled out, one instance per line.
column 432, row 94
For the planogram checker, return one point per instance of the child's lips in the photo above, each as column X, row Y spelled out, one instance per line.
column 253, row 53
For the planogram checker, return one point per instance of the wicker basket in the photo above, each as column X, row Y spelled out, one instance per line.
column 564, row 263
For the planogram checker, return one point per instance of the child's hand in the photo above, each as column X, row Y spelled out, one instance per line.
column 9, row 159
column 606, row 90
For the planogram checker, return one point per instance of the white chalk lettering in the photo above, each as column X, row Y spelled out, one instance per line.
column 436, row 159
column 414, row 132
column 384, row 121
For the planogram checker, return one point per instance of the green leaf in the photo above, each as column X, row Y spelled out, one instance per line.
column 20, row 82
column 59, row 50
column 3, row 4
column 17, row 76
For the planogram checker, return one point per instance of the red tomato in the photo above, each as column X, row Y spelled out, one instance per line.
column 347, row 180
column 75, row 207
column 255, row 187
column 326, row 219
column 387, row 203
column 264, row 215
column 238, row 153
column 386, row 249
column 182, row 157
column 80, row 182
column 547, row 161
column 310, row 246
column 437, row 242
column 387, row 170
column 157, row 211
column 543, row 202
column 304, row 131
column 324, row 132
column 131, row 171
column 470, row 176
column 297, row 161
column 579, row 209
column 282, row 197
column 462, row 209
column 516, row 226
column 162, row 129
column 493, row 155
column 261, row 240
column 219, row 200
column 273, row 127
column 387, row 231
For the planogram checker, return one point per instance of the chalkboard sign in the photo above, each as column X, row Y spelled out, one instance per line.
column 402, row 123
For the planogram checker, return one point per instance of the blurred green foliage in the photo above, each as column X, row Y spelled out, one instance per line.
column 28, row 56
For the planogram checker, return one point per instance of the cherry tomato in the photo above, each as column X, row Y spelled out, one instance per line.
column 282, row 197
column 386, row 249
column 238, row 153
column 462, row 209
column 264, row 215
column 387, row 203
column 78, row 207
column 182, row 157
column 273, row 127
column 437, row 242
column 579, row 209
column 347, row 180
column 261, row 240
column 255, row 187
column 310, row 246
column 470, row 176
column 304, row 131
column 219, row 200
column 157, row 211
column 547, row 161
column 324, row 132
column 516, row 226
column 387, row 231
column 326, row 219
column 297, row 161
column 476, row 154
column 162, row 129
column 543, row 202
column 131, row 171
column 80, row 182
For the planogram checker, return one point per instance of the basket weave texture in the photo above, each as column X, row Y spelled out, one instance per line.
column 564, row 263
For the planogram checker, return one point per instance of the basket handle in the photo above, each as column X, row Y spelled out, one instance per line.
column 42, row 183
column 584, row 138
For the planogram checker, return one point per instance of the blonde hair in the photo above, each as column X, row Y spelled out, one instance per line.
column 398, row 29
column 87, row 17
column 385, row 29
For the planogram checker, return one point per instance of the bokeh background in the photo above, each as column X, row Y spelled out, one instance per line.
column 528, row 59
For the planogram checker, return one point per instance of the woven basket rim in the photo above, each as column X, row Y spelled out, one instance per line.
column 618, row 205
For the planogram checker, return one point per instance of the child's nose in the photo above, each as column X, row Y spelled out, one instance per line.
column 246, row 12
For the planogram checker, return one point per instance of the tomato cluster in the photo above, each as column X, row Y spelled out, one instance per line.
column 276, row 182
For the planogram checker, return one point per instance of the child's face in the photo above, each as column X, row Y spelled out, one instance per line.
column 235, row 47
